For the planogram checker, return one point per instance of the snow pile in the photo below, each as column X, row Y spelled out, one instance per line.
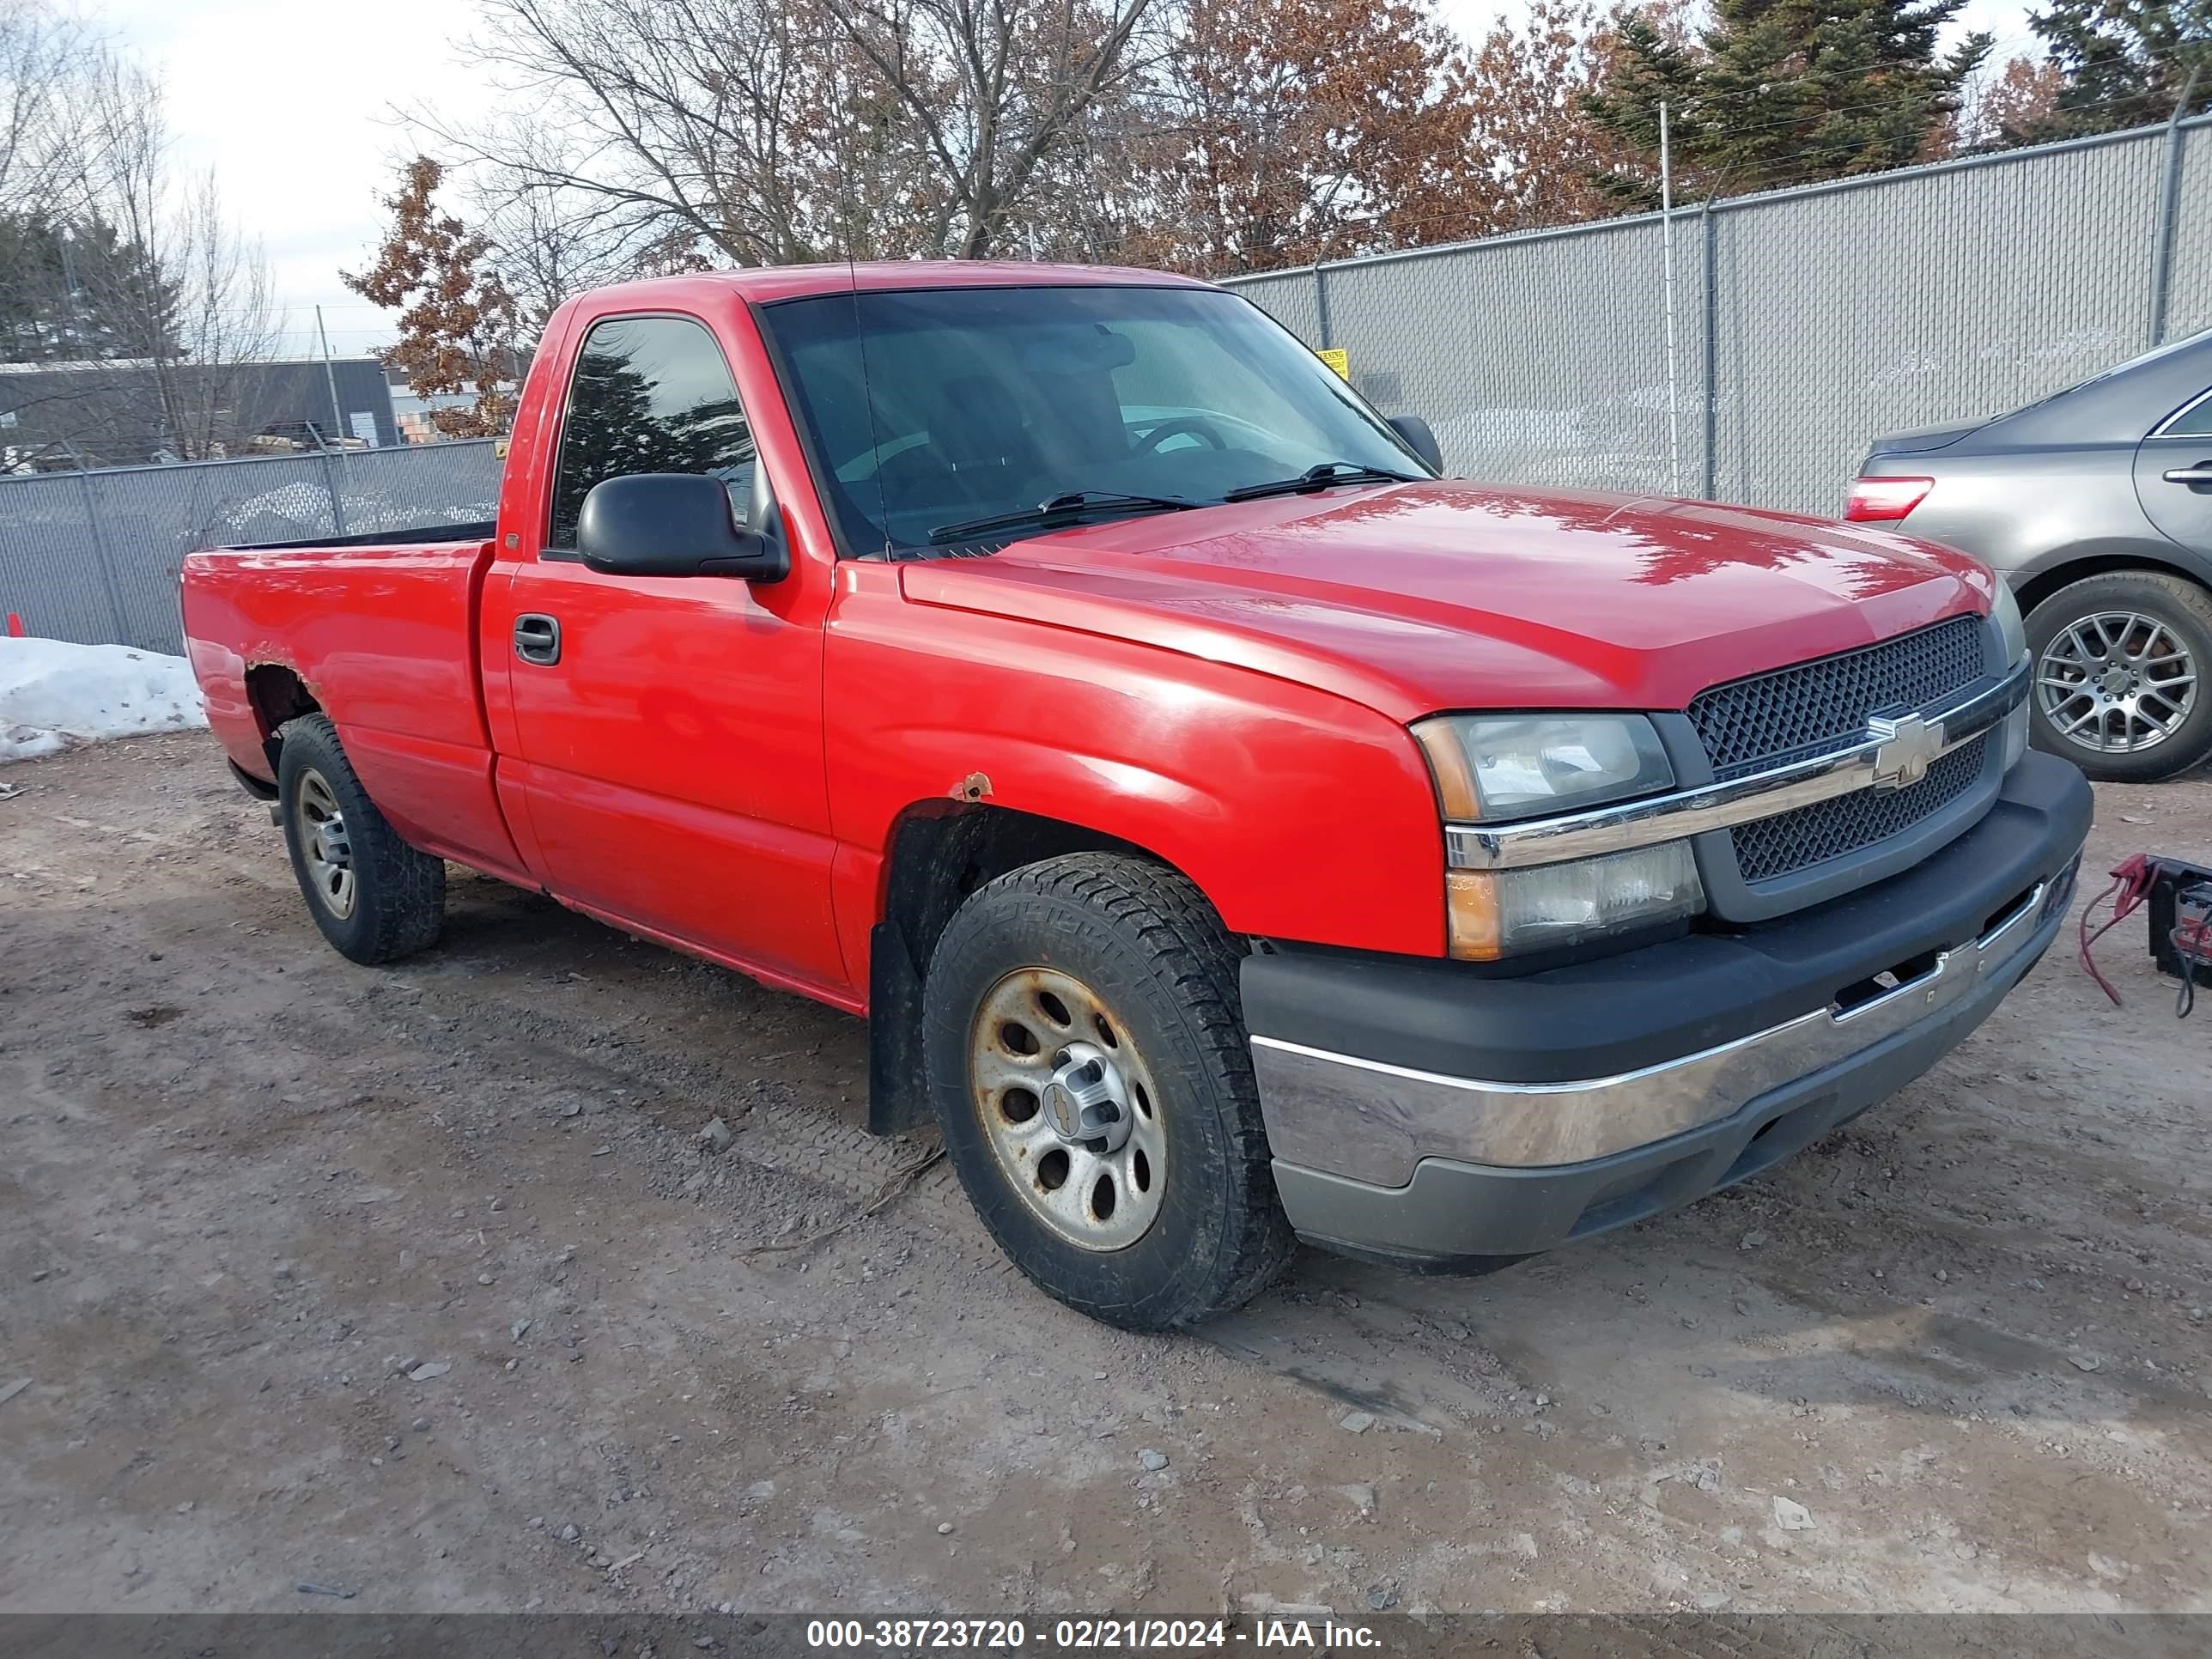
column 54, row 695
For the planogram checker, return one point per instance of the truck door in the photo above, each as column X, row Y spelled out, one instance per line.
column 2174, row 476
column 669, row 729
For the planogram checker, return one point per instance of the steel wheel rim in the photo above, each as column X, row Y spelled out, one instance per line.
column 1045, row 1051
column 324, row 844
column 2116, row 682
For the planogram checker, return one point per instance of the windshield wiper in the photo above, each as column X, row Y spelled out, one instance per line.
column 1060, row 509
column 1319, row 478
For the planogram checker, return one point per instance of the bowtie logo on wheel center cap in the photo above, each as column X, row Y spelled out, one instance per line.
column 1084, row 1101
column 1062, row 1109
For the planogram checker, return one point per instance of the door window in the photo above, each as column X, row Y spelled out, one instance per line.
column 2195, row 422
column 650, row 394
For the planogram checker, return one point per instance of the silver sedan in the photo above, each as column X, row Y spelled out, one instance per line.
column 2095, row 505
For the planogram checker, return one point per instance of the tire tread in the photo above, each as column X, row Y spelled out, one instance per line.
column 406, row 907
column 1174, row 925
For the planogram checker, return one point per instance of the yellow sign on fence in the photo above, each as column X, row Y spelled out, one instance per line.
column 1335, row 357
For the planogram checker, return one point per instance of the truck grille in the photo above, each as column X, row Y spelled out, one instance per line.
column 1792, row 713
column 1789, row 841
column 1817, row 708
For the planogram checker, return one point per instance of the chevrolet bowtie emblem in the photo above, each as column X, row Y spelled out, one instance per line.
column 1908, row 747
column 1062, row 1109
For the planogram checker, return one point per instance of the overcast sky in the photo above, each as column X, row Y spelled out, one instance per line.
column 290, row 103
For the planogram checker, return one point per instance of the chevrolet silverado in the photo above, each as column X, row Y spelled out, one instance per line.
column 1233, row 831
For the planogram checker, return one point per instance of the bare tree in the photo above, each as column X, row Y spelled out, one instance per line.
column 48, row 59
column 1302, row 130
column 128, row 177
column 651, row 120
column 545, row 243
column 997, row 92
column 775, row 131
column 225, row 319
column 165, row 301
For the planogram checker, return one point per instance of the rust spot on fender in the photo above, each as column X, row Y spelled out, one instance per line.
column 289, row 667
column 974, row 787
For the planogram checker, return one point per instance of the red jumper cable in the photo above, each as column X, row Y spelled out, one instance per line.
column 2130, row 886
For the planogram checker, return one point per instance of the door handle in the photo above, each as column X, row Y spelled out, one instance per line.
column 537, row 639
column 2190, row 475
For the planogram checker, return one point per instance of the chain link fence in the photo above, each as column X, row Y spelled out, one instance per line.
column 93, row 556
column 1806, row 321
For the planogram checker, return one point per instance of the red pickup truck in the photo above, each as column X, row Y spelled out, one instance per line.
column 1233, row 831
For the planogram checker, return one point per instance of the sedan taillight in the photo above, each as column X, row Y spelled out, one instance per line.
column 1875, row 500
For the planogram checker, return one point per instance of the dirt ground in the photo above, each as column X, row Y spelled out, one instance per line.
column 1951, row 1359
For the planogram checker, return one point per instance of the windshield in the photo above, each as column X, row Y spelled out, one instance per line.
column 974, row 403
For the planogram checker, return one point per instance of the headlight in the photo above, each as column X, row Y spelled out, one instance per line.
column 1503, row 913
column 2005, row 607
column 1490, row 768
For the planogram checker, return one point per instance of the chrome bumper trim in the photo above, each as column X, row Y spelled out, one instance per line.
column 1372, row 1122
column 1719, row 805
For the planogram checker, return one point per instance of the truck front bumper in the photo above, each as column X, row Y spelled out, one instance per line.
column 1445, row 1118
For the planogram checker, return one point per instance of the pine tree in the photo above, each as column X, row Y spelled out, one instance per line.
column 1785, row 92
column 122, row 304
column 75, row 291
column 2127, row 64
column 1651, row 65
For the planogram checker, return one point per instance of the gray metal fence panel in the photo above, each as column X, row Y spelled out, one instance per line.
column 1926, row 296
column 1837, row 312
column 1290, row 298
column 1569, row 334
column 93, row 556
column 2189, row 303
column 50, row 571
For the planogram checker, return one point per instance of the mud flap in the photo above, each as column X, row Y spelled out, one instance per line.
column 898, row 1092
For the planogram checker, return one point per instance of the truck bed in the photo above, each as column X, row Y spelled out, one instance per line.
column 384, row 635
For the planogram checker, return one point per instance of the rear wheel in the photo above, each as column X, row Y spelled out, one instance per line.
column 375, row 899
column 1090, row 1067
column 2119, row 676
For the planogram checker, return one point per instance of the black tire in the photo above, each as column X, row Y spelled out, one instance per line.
column 396, row 900
column 2176, row 604
column 1150, row 946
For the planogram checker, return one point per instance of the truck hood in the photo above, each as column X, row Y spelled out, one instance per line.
column 1417, row 598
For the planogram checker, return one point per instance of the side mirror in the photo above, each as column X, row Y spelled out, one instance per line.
column 1418, row 439
column 673, row 523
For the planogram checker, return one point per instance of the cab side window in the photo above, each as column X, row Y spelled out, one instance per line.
column 2192, row 423
column 650, row 394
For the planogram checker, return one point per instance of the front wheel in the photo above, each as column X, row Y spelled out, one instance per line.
column 1088, row 1063
column 2120, row 661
